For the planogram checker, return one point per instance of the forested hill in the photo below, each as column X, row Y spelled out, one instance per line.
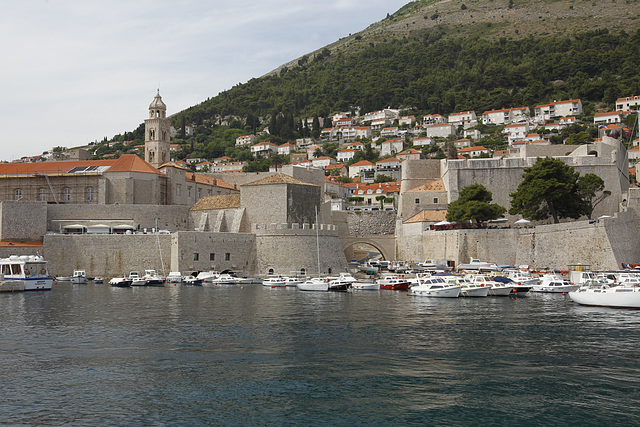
column 445, row 56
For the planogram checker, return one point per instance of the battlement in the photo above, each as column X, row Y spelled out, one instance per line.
column 295, row 229
column 519, row 162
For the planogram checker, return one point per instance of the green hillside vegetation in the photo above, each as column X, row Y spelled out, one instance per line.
column 443, row 67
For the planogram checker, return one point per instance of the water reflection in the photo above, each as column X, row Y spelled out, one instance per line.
column 211, row 355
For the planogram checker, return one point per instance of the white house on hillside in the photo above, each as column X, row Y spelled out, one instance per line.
column 441, row 130
column 545, row 112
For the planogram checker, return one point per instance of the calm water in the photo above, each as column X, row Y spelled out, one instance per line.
column 97, row 355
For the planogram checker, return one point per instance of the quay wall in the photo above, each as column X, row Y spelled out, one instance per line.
column 107, row 255
column 602, row 245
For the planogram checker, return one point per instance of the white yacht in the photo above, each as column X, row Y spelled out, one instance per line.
column 552, row 283
column 174, row 277
column 31, row 270
column 607, row 296
column 274, row 282
column 150, row 278
column 470, row 289
column 317, row 284
column 435, row 287
column 477, row 265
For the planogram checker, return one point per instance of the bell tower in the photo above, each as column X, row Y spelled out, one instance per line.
column 156, row 133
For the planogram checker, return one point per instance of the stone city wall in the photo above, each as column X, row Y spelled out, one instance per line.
column 292, row 248
column 172, row 218
column 603, row 244
column 22, row 221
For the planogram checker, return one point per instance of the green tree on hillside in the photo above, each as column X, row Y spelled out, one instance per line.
column 474, row 203
column 549, row 188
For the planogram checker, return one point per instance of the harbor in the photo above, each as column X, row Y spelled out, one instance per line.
column 250, row 354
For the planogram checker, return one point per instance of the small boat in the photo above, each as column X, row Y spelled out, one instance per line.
column 30, row 270
column 124, row 281
column 207, row 276
column 435, row 287
column 394, row 283
column 192, row 281
column 293, row 281
column 365, row 286
column 98, row 280
column 496, row 289
column 607, row 296
column 318, row 284
column 518, row 288
column 274, row 282
column 552, row 283
column 224, row 279
column 79, row 277
column 174, row 277
column 150, row 278
column 470, row 289
column 477, row 265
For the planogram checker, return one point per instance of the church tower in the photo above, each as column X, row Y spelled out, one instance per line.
column 156, row 133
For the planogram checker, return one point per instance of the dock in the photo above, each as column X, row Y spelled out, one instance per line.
column 11, row 286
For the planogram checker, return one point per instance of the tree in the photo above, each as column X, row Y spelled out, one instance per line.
column 549, row 188
column 381, row 199
column 589, row 185
column 382, row 178
column 474, row 204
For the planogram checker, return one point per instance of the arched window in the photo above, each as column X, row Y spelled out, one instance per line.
column 42, row 195
column 89, row 196
column 18, row 194
column 270, row 271
column 66, row 194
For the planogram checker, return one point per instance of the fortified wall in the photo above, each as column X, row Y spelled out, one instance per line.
column 603, row 244
column 287, row 248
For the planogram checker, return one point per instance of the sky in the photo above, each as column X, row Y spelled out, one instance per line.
column 76, row 71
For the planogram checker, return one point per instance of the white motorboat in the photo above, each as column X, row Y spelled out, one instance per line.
column 125, row 281
column 293, row 281
column 318, row 284
column 207, row 276
column 174, row 277
column 150, row 278
column 470, row 289
column 518, row 288
column 98, row 280
column 607, row 296
column 552, row 283
column 192, row 281
column 477, row 265
column 79, row 277
column 30, row 270
column 224, row 279
column 523, row 278
column 497, row 289
column 435, row 287
column 365, row 286
column 274, row 282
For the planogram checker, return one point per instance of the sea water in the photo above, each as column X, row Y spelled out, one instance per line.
column 252, row 355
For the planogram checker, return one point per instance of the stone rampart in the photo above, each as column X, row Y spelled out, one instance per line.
column 603, row 244
column 22, row 221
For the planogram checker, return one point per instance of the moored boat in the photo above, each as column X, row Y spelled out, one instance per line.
column 174, row 277
column 365, row 286
column 552, row 283
column 79, row 277
column 150, row 278
column 317, row 284
column 30, row 270
column 274, row 282
column 435, row 287
column 607, row 296
column 394, row 283
column 124, row 281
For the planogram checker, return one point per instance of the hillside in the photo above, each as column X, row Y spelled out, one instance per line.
column 439, row 57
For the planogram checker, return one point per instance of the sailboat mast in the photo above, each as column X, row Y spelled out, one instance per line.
column 318, row 240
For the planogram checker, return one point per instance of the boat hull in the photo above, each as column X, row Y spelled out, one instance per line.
column 501, row 291
column 448, row 292
column 313, row 287
column 475, row 292
column 365, row 286
column 37, row 284
column 612, row 297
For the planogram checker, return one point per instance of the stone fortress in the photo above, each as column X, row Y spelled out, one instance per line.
column 163, row 217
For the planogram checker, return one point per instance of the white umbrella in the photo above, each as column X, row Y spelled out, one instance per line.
column 444, row 222
column 522, row 221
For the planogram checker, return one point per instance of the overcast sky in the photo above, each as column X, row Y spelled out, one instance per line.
column 75, row 71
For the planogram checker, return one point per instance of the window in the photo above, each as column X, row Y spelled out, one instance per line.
column 417, row 201
column 89, row 194
column 178, row 188
column 189, row 191
column 199, row 193
column 18, row 194
column 196, row 256
column 435, row 200
column 43, row 195
column 227, row 256
column 212, row 257
column 66, row 194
